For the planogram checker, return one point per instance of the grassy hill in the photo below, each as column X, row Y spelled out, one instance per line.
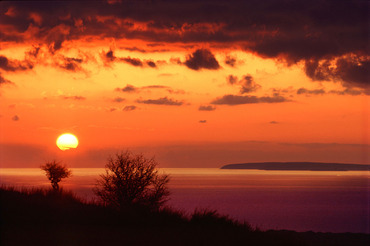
column 43, row 217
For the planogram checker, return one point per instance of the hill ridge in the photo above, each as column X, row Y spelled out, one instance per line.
column 299, row 166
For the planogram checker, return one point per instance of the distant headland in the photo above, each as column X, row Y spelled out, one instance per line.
column 299, row 166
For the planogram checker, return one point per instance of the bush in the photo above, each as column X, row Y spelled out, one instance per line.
column 55, row 172
column 132, row 181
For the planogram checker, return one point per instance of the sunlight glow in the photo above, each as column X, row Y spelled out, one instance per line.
column 67, row 141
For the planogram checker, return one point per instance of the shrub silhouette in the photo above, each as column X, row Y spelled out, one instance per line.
column 131, row 180
column 55, row 172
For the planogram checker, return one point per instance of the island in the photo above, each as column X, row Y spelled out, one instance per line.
column 299, row 166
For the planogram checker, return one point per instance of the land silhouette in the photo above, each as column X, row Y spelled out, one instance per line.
column 131, row 210
column 299, row 166
column 48, row 217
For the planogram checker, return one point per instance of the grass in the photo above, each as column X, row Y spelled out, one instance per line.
column 44, row 217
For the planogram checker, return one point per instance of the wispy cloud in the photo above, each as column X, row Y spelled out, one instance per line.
column 73, row 97
column 129, row 108
column 206, row 108
column 237, row 100
column 310, row 92
column 161, row 101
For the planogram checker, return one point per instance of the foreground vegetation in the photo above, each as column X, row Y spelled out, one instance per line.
column 47, row 217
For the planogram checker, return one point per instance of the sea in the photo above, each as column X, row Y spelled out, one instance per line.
column 319, row 201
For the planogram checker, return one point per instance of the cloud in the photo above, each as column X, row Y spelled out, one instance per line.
column 292, row 31
column 155, row 87
column 248, row 85
column 128, row 88
column 136, row 62
column 118, row 99
column 109, row 56
column 231, row 61
column 301, row 91
column 352, row 71
column 202, row 58
column 132, row 89
column 13, row 65
column 207, row 108
column 231, row 79
column 273, row 122
column 237, row 100
column 161, row 101
column 151, row 64
column 129, row 108
column 79, row 98
column 132, row 61
column 351, row 92
column 4, row 81
column 15, row 118
column 71, row 64
column 203, row 121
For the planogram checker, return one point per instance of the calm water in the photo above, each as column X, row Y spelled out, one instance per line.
column 301, row 201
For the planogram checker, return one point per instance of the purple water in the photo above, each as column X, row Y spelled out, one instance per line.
column 293, row 200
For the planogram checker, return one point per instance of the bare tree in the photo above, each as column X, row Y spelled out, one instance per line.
column 55, row 172
column 130, row 180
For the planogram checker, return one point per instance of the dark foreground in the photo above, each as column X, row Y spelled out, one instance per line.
column 40, row 217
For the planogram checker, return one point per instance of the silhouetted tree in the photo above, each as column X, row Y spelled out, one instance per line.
column 55, row 172
column 131, row 179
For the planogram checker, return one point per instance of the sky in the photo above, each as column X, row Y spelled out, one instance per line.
column 194, row 83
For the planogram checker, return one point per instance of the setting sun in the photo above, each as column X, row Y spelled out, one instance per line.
column 67, row 141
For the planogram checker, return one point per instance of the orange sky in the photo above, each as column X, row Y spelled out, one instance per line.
column 177, row 91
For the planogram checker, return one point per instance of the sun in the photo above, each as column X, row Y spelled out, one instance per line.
column 67, row 141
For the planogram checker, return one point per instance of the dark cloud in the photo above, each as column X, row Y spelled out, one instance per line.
column 13, row 65
column 34, row 52
column 151, row 64
column 15, row 118
column 161, row 101
column 129, row 108
column 118, row 99
column 155, row 87
column 248, row 85
column 131, row 88
column 310, row 92
column 352, row 71
column 132, row 61
column 273, row 122
column 351, row 92
column 78, row 98
column 110, row 56
column 231, row 79
column 128, row 88
column 293, row 31
column 236, row 100
column 202, row 58
column 71, row 64
column 203, row 121
column 4, row 81
column 231, row 61
column 134, row 49
column 207, row 108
